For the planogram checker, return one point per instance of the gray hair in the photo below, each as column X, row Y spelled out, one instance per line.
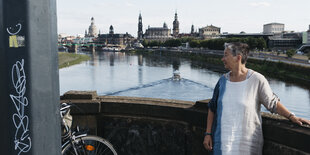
column 238, row 48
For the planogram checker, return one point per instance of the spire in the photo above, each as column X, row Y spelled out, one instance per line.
column 92, row 20
column 176, row 15
column 192, row 29
column 140, row 27
column 175, row 25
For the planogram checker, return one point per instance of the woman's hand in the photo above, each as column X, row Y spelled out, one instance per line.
column 299, row 121
column 207, row 142
column 284, row 112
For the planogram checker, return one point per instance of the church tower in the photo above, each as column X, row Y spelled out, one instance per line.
column 92, row 30
column 175, row 25
column 86, row 34
column 192, row 29
column 140, row 30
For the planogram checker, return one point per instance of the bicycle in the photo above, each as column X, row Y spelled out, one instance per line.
column 77, row 142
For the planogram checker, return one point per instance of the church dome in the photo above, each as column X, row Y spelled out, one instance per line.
column 111, row 29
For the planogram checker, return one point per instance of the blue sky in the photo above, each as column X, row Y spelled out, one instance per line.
column 231, row 16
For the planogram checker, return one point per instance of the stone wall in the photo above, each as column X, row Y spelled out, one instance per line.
column 148, row 126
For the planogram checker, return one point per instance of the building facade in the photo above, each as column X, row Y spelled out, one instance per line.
column 273, row 28
column 111, row 38
column 285, row 41
column 209, row 32
column 158, row 33
column 175, row 30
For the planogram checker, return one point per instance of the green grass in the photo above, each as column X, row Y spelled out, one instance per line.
column 69, row 59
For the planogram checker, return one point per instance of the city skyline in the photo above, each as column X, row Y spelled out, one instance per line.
column 233, row 17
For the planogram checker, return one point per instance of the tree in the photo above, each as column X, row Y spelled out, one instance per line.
column 261, row 43
column 194, row 43
column 290, row 53
column 172, row 43
column 154, row 43
column 145, row 43
column 252, row 42
column 205, row 43
column 186, row 39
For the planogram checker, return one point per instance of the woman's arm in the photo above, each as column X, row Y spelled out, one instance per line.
column 281, row 110
column 209, row 121
column 208, row 139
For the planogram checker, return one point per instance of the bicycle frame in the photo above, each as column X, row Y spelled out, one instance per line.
column 71, row 136
column 79, row 142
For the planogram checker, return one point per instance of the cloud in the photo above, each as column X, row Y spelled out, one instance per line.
column 259, row 4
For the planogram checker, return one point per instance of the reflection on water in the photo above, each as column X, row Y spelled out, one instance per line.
column 122, row 74
column 168, row 89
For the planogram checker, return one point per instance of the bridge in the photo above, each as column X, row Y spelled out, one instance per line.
column 85, row 45
column 73, row 47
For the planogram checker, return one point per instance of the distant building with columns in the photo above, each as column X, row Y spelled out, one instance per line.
column 209, row 32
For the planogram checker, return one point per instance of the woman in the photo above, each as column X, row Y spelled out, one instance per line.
column 234, row 124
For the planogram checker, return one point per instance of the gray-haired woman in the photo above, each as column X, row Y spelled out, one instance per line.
column 234, row 124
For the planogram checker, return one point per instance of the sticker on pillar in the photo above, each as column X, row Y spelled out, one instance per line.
column 15, row 40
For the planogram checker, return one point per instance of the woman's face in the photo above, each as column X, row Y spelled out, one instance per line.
column 228, row 59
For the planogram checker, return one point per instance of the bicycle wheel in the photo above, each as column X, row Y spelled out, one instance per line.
column 90, row 145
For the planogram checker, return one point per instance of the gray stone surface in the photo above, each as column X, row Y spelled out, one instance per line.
column 157, row 126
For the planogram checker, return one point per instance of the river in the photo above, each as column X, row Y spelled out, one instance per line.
column 123, row 74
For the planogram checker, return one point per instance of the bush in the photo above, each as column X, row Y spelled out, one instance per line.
column 290, row 53
column 217, row 44
column 172, row 43
column 194, row 43
column 308, row 55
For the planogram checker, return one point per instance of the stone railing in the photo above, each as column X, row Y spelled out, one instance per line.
column 148, row 126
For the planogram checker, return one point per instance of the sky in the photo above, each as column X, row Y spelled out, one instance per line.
column 232, row 16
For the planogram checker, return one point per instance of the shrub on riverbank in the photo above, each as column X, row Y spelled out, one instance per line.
column 69, row 59
column 217, row 44
column 283, row 71
column 290, row 53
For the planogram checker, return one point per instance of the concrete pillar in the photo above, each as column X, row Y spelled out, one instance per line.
column 29, row 85
column 75, row 47
column 92, row 48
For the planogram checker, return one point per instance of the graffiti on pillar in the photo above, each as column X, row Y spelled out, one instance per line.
column 22, row 139
column 15, row 40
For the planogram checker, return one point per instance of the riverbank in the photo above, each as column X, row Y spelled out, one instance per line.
column 69, row 59
column 292, row 73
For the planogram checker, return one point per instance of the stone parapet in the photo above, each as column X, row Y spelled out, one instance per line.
column 160, row 126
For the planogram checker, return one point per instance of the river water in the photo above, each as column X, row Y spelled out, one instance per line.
column 123, row 74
